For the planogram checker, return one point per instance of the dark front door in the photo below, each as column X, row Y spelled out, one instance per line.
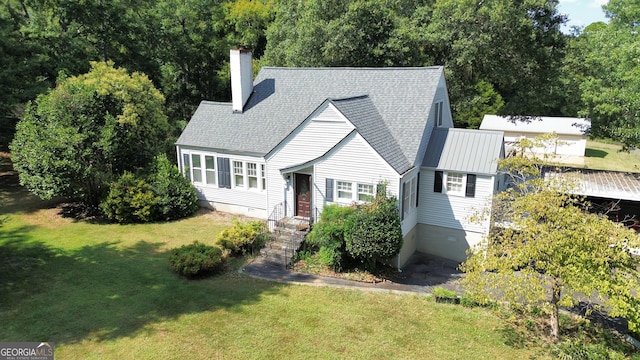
column 303, row 195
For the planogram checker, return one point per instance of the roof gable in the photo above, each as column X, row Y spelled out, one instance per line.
column 465, row 150
column 284, row 97
column 361, row 112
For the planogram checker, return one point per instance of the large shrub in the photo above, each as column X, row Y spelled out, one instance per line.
column 130, row 200
column 177, row 197
column 197, row 259
column 327, row 235
column 243, row 238
column 77, row 138
column 162, row 195
column 374, row 232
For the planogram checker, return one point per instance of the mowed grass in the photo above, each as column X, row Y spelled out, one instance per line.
column 607, row 156
column 106, row 292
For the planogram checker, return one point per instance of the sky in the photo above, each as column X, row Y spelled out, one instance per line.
column 582, row 12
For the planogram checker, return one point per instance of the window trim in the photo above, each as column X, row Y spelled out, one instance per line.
column 468, row 188
column 463, row 181
column 212, row 176
column 334, row 196
column 208, row 171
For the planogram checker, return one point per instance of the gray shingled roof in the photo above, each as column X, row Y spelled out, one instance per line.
column 368, row 122
column 284, row 97
column 465, row 150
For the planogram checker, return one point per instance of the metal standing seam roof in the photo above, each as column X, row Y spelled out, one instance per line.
column 600, row 183
column 537, row 124
column 464, row 150
column 284, row 97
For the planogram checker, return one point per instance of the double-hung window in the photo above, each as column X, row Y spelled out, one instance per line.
column 263, row 177
column 238, row 174
column 365, row 192
column 454, row 183
column 196, row 168
column 210, row 169
column 252, row 175
column 186, row 166
column 344, row 190
column 348, row 191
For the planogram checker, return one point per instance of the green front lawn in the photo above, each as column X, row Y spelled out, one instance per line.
column 106, row 292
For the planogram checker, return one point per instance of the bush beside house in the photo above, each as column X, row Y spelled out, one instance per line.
column 161, row 195
column 363, row 234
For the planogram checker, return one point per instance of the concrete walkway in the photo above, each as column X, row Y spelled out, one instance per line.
column 421, row 274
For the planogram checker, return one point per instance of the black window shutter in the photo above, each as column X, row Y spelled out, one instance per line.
column 471, row 186
column 437, row 184
column 329, row 190
column 417, row 189
column 224, row 173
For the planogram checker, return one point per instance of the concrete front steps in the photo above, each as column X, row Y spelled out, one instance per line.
column 285, row 241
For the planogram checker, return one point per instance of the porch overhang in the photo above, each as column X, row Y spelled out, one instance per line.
column 298, row 167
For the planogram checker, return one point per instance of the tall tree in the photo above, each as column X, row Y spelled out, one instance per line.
column 340, row 33
column 502, row 56
column 602, row 72
column 547, row 251
column 73, row 140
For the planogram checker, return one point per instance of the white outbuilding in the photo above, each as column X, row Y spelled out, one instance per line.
column 571, row 132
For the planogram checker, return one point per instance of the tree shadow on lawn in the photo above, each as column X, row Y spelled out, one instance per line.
column 102, row 292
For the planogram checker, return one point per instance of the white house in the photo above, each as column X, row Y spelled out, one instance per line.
column 571, row 132
column 296, row 139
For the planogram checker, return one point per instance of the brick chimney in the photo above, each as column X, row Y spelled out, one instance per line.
column 241, row 77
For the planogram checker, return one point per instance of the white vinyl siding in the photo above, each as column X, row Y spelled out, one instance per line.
column 355, row 162
column 454, row 211
column 322, row 131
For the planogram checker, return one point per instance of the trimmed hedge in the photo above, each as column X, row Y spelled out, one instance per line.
column 196, row 260
column 243, row 238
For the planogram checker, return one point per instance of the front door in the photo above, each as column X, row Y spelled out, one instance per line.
column 303, row 195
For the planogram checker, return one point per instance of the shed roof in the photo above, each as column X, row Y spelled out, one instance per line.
column 604, row 184
column 284, row 97
column 466, row 150
column 537, row 124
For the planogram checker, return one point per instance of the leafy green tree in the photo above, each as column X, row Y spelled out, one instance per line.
column 602, row 72
column 248, row 21
column 512, row 48
column 374, row 232
column 340, row 33
column 21, row 75
column 91, row 128
column 546, row 251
